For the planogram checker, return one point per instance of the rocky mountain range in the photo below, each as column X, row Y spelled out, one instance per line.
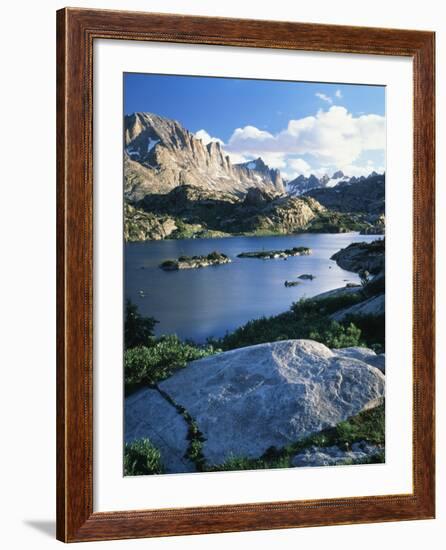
column 175, row 186
column 365, row 195
column 302, row 184
column 160, row 154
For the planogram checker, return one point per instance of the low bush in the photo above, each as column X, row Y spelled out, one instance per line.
column 141, row 457
column 306, row 319
column 150, row 364
column 338, row 336
column 373, row 330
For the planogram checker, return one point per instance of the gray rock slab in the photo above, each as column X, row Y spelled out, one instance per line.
column 364, row 354
column 334, row 456
column 149, row 415
column 337, row 292
column 372, row 306
column 249, row 399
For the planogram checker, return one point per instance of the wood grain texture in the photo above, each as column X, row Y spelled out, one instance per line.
column 76, row 31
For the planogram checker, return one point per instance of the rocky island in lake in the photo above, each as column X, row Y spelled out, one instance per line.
column 275, row 254
column 195, row 262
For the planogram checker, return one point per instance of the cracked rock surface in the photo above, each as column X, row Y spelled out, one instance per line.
column 249, row 399
column 149, row 415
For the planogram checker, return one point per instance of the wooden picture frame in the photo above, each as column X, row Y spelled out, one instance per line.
column 77, row 29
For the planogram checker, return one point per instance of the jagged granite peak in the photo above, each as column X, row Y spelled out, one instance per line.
column 160, row 154
column 302, row 183
column 258, row 166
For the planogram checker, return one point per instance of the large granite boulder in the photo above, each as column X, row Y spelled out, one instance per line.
column 366, row 355
column 247, row 400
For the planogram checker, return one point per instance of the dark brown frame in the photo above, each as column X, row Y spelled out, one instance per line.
column 76, row 31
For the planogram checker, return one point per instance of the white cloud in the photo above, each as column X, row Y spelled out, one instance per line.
column 338, row 94
column 334, row 138
column 297, row 166
column 324, row 97
column 206, row 138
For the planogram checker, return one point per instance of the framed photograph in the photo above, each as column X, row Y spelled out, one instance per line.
column 245, row 275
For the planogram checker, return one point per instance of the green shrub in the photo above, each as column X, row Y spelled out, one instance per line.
column 149, row 365
column 138, row 330
column 141, row 457
column 306, row 319
column 367, row 425
column 338, row 336
column 373, row 330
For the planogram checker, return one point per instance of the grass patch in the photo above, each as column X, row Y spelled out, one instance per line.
column 141, row 457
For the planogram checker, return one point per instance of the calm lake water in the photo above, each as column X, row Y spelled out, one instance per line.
column 200, row 303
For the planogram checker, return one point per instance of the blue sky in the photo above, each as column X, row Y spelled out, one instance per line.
column 299, row 127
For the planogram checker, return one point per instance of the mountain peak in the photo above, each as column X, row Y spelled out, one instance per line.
column 160, row 154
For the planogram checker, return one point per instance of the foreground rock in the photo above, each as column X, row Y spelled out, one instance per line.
column 334, row 456
column 274, row 254
column 247, row 400
column 194, row 262
column 149, row 415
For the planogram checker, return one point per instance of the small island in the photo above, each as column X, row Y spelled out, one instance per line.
column 291, row 283
column 275, row 254
column 307, row 277
column 195, row 262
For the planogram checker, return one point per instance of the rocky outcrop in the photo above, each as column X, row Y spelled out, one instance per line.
column 361, row 452
column 195, row 262
column 143, row 226
column 160, row 154
column 258, row 211
column 375, row 226
column 360, row 257
column 246, row 400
